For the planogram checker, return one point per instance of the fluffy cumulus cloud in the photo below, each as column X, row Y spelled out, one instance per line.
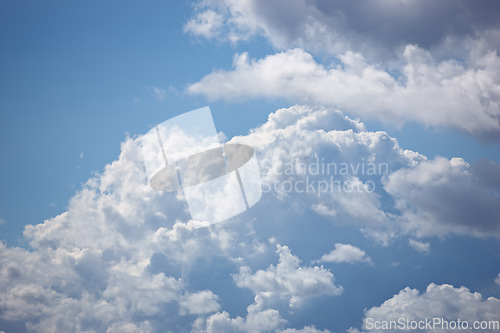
column 93, row 263
column 306, row 329
column 342, row 171
column 346, row 253
column 288, row 280
column 127, row 258
column 379, row 60
column 444, row 196
column 437, row 93
column 443, row 302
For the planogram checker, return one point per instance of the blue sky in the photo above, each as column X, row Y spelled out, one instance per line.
column 81, row 82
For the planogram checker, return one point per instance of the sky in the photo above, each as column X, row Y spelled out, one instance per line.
column 407, row 89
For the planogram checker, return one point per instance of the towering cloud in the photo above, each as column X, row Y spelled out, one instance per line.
column 125, row 257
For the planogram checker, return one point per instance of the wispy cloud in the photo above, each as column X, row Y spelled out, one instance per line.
column 122, row 252
column 420, row 246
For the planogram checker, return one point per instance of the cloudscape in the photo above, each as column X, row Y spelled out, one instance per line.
column 345, row 176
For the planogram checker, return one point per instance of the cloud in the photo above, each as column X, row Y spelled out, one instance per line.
column 95, row 262
column 334, row 27
column 320, row 159
column 125, row 257
column 346, row 253
column 200, row 303
column 420, row 246
column 307, row 329
column 353, row 330
column 431, row 198
column 158, row 92
column 256, row 321
column 381, row 62
column 45, row 288
column 446, row 93
column 497, row 279
column 444, row 196
column 438, row 301
column 288, row 280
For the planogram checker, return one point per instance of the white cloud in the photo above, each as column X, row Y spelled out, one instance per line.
column 288, row 280
column 200, row 303
column 307, row 329
column 123, row 252
column 423, row 247
column 438, row 301
column 464, row 197
column 258, row 319
column 297, row 139
column 444, row 196
column 446, row 93
column 346, row 253
column 93, row 263
column 324, row 210
column 124, row 257
column 497, row 279
column 144, row 327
